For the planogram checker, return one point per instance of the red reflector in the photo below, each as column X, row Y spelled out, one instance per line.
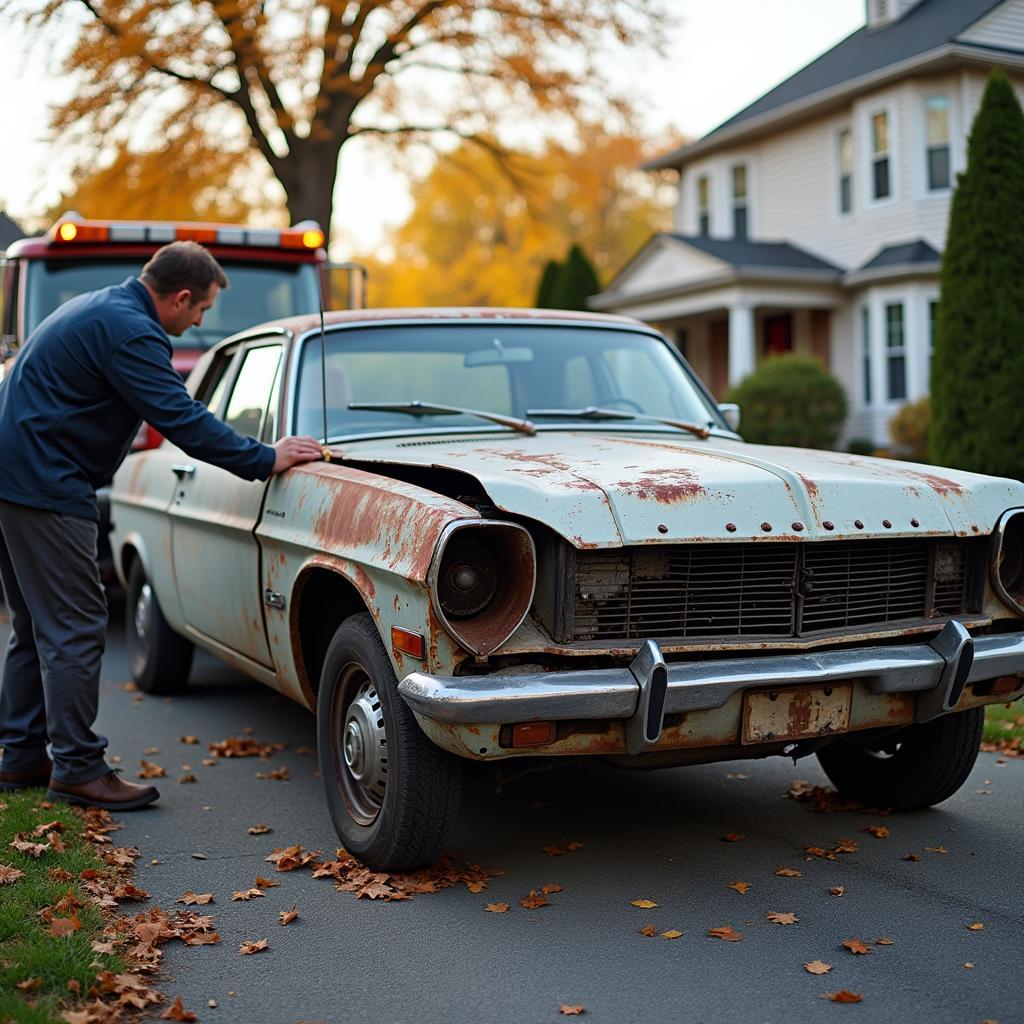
column 1006, row 684
column 406, row 641
column 533, row 734
column 196, row 234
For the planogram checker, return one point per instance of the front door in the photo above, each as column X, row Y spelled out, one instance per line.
column 215, row 513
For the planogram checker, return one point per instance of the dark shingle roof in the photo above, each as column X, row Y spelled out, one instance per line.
column 900, row 255
column 9, row 231
column 928, row 25
column 744, row 253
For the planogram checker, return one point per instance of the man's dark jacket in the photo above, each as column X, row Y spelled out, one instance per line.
column 82, row 383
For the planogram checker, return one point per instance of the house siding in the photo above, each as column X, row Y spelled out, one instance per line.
column 1003, row 27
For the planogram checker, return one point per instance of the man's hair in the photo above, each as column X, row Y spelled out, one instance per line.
column 183, row 266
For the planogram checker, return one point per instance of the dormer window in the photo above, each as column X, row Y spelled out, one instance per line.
column 739, row 201
column 936, row 113
column 703, row 205
column 845, row 170
column 881, row 186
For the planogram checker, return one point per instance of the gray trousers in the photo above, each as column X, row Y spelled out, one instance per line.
column 49, row 691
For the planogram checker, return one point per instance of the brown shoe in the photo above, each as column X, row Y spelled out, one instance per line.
column 108, row 791
column 10, row 781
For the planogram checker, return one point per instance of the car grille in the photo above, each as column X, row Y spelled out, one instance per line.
column 702, row 591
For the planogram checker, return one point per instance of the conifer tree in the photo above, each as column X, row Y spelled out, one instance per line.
column 977, row 370
column 548, row 283
column 576, row 281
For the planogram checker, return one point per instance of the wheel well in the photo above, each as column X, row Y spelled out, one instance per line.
column 326, row 599
column 129, row 555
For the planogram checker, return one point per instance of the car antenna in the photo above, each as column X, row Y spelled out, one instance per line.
column 323, row 377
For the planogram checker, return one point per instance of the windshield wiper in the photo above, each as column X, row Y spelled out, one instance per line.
column 593, row 412
column 417, row 408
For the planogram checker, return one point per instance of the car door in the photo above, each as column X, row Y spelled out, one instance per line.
column 214, row 514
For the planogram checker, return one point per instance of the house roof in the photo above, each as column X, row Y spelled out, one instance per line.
column 10, row 231
column 749, row 254
column 901, row 255
column 926, row 27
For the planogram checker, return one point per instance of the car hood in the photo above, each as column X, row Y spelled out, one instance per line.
column 605, row 489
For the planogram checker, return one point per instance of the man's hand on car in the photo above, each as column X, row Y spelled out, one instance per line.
column 293, row 450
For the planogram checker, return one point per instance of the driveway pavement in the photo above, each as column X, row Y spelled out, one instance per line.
column 656, row 836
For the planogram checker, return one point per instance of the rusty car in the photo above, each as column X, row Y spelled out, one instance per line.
column 535, row 535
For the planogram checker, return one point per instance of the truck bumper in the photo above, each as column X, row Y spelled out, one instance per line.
column 641, row 695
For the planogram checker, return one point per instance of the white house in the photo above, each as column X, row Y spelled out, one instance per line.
column 813, row 220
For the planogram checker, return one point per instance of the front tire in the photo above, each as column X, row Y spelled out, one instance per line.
column 917, row 767
column 392, row 794
column 161, row 659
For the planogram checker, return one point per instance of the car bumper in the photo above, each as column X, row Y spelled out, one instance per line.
column 646, row 691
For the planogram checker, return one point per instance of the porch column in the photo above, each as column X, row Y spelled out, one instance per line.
column 742, row 350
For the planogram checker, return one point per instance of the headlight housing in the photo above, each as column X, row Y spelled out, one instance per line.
column 482, row 581
column 1008, row 561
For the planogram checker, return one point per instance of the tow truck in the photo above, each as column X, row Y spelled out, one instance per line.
column 272, row 273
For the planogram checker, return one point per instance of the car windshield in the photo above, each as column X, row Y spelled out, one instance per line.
column 257, row 292
column 498, row 367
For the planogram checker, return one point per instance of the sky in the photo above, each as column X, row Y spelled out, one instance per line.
column 722, row 56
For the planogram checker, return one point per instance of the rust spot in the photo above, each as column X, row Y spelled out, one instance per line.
column 669, row 486
column 811, row 487
column 974, row 529
column 939, row 484
column 828, row 525
column 798, row 527
column 395, row 603
column 731, row 527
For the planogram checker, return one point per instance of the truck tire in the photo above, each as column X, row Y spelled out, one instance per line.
column 161, row 659
column 392, row 794
column 917, row 767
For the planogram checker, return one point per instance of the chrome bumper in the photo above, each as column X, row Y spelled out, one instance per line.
column 649, row 689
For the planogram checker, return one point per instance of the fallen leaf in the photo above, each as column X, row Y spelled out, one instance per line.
column 259, row 830
column 735, row 775
column 837, row 890
column 149, row 770
column 789, row 873
column 291, row 857
column 59, row 875
column 248, row 894
column 782, row 917
column 878, row 831
column 62, row 926
column 151, row 750
column 178, row 1012
column 846, row 846
column 884, row 942
column 643, row 904
column 234, row 746
column 55, row 842
column 265, row 883
column 733, row 837
column 208, row 762
column 815, row 851
column 856, row 946
column 47, row 826
column 549, row 889
column 496, row 908
column 278, row 774
column 189, row 739
column 74, row 985
column 534, row 901
column 287, row 916
column 188, row 778
column 844, row 996
column 248, row 947
column 649, row 930
column 726, row 934
column 476, row 886
column 968, row 966
column 976, row 927
column 191, row 898
column 9, row 875
column 32, row 849
column 559, row 851
column 740, row 887
column 936, row 849
column 571, row 1011
column 199, row 856
column 912, row 856
column 671, row 934
column 29, row 984
column 817, row 967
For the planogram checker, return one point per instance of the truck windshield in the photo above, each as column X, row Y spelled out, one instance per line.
column 257, row 292
column 502, row 367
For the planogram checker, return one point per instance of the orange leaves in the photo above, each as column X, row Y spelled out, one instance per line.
column 671, row 934
column 278, row 774
column 788, row 873
column 856, row 946
column 726, row 933
column 740, row 887
column 733, row 837
column 291, row 857
column 550, row 889
column 496, row 908
column 287, row 916
column 837, row 890
column 476, row 886
column 189, row 739
column 249, row 947
column 149, row 770
column 936, row 849
column 178, row 1012
column 259, row 830
column 192, row 898
column 244, row 746
column 248, row 894
column 571, row 1011
column 267, row 883
column 64, row 926
column 649, row 930
column 534, row 901
column 780, row 917
column 844, row 996
column 29, row 848
column 9, row 875
column 560, row 851
column 643, row 904
column 916, row 857
column 817, row 967
column 976, row 927
column 878, row 831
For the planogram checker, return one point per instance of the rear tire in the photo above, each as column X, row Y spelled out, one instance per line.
column 161, row 659
column 392, row 794
column 917, row 767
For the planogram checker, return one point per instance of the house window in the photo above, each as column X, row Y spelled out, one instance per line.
column 881, row 186
column 739, row 201
column 865, row 341
column 703, row 205
column 936, row 111
column 845, row 170
column 895, row 352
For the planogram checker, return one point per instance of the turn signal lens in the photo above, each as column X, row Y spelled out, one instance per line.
column 312, row 239
column 533, row 734
column 67, row 232
column 408, row 642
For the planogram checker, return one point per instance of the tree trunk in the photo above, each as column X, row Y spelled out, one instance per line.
column 308, row 176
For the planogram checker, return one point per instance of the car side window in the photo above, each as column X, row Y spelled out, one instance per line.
column 253, row 391
column 211, row 390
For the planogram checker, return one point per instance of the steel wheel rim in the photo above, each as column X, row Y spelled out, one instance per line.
column 359, row 748
column 143, row 609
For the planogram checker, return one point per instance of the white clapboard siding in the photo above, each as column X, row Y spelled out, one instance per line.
column 1002, row 27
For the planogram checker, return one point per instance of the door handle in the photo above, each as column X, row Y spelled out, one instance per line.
column 181, row 471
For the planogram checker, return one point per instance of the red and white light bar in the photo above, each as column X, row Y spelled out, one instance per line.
column 67, row 231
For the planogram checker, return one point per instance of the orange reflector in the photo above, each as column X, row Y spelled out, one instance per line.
column 408, row 642
column 533, row 734
column 196, row 234
column 67, row 232
column 312, row 239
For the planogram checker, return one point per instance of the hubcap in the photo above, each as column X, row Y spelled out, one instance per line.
column 362, row 767
column 142, row 611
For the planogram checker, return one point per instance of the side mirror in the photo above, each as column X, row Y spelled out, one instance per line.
column 731, row 413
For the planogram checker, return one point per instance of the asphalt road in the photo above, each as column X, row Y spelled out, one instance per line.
column 654, row 836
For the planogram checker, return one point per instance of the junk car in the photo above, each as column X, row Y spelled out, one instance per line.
column 535, row 535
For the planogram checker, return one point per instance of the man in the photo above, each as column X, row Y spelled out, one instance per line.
column 69, row 410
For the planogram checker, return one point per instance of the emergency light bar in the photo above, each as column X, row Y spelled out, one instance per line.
column 69, row 230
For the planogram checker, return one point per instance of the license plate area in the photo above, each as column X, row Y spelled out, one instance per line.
column 796, row 713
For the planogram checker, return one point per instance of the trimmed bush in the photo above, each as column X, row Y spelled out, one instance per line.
column 909, row 431
column 978, row 363
column 548, row 281
column 861, row 446
column 576, row 281
column 791, row 400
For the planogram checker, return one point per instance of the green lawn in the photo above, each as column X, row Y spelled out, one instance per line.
column 1004, row 726
column 27, row 952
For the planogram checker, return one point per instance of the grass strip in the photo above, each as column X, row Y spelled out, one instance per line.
column 1004, row 727
column 55, row 973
